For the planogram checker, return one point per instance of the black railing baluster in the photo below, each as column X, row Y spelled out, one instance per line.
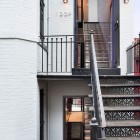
column 139, row 54
column 51, row 54
column 71, row 53
column 47, row 54
column 42, row 53
column 56, row 53
column 61, row 54
column 66, row 53
column 63, row 58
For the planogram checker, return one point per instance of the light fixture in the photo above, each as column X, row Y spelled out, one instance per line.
column 65, row 1
column 126, row 1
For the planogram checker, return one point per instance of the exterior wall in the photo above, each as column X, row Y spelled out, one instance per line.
column 56, row 91
column 126, row 31
column 19, row 19
column 19, row 94
column 19, row 98
column 60, row 17
column 92, row 11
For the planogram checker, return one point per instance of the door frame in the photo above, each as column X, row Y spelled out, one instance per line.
column 64, row 126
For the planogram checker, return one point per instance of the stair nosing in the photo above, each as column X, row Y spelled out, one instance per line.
column 120, row 85
column 121, row 108
column 122, row 96
column 123, row 123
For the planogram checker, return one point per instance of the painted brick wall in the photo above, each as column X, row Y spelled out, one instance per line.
column 19, row 19
column 19, row 98
column 126, row 31
column 19, row 92
column 60, row 17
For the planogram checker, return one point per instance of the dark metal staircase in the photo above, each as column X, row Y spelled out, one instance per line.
column 116, row 104
column 121, row 98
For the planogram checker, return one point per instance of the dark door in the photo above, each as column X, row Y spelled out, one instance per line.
column 41, row 114
column 116, row 33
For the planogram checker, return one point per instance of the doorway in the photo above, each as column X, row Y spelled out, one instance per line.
column 76, row 118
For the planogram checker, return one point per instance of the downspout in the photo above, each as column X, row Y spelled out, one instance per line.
column 48, row 17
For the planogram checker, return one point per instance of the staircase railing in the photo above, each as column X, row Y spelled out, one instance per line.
column 133, row 58
column 98, row 122
column 59, row 54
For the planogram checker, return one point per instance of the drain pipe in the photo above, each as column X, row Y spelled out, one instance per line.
column 48, row 18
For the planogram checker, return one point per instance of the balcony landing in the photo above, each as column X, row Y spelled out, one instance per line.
column 102, row 71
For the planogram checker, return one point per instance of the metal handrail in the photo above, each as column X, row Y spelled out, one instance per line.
column 132, row 46
column 99, row 116
column 133, row 58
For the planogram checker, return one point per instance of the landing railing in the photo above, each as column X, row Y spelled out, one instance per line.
column 60, row 53
column 133, row 58
column 98, row 122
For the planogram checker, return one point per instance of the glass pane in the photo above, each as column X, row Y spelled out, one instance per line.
column 76, row 131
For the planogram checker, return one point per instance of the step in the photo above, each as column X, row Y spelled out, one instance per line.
column 87, row 132
column 87, row 126
column 117, row 79
column 100, row 58
column 103, row 64
column 122, row 138
column 120, row 85
column 122, row 96
column 123, row 123
column 121, row 101
column 87, row 138
column 124, row 108
column 122, row 115
column 109, row 90
column 120, row 131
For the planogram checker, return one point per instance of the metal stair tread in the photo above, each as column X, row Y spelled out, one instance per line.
column 122, row 108
column 120, row 85
column 122, row 138
column 123, row 123
column 122, row 96
column 103, row 61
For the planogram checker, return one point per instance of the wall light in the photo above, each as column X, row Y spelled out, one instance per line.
column 126, row 1
column 65, row 1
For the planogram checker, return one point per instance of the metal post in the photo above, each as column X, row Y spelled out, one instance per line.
column 42, row 52
column 139, row 53
column 94, row 129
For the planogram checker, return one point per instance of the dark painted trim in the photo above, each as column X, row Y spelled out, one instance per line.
column 113, row 61
column 22, row 39
column 63, row 77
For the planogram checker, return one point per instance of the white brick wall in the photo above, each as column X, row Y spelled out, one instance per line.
column 126, row 31
column 19, row 98
column 19, row 19
column 56, row 91
column 19, row 94
column 61, row 17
